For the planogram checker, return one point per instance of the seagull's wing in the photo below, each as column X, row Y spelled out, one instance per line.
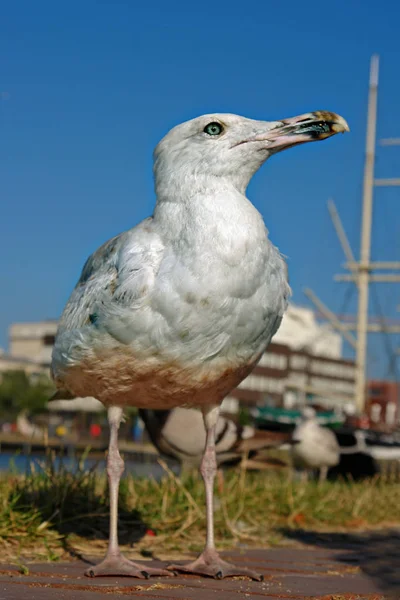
column 326, row 438
column 111, row 295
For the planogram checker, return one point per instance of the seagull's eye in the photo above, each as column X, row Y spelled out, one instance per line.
column 213, row 128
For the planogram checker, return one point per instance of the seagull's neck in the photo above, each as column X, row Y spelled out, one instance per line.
column 204, row 207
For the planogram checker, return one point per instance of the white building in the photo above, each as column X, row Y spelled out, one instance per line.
column 300, row 330
column 33, row 341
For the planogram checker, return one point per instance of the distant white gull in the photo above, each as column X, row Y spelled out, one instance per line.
column 179, row 309
column 317, row 446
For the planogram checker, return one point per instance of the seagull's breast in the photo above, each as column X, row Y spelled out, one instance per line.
column 214, row 308
column 222, row 289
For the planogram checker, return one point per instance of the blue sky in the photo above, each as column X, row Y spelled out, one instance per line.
column 87, row 89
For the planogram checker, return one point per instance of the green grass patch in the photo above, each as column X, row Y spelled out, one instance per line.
column 49, row 513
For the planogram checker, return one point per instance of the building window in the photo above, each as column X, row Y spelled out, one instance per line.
column 257, row 383
column 298, row 362
column 48, row 340
column 376, row 391
column 333, row 369
column 376, row 410
column 336, row 385
column 273, row 361
column 390, row 413
column 230, row 405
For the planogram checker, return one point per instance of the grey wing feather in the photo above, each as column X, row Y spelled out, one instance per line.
column 96, row 282
column 113, row 286
column 327, row 439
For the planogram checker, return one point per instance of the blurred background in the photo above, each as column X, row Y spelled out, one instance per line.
column 86, row 92
column 87, row 89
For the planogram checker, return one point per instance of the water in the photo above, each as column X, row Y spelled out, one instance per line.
column 22, row 463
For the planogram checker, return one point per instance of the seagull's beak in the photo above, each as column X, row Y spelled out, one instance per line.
column 310, row 127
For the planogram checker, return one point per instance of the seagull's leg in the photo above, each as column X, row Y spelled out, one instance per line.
column 304, row 476
column 114, row 562
column 209, row 562
column 323, row 473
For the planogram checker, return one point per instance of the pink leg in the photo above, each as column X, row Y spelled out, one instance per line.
column 209, row 562
column 114, row 562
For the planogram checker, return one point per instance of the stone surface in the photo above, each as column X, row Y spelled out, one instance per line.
column 326, row 574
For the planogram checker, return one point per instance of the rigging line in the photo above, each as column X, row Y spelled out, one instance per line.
column 319, row 335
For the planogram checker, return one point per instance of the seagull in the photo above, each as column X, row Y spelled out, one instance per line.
column 317, row 447
column 180, row 434
column 178, row 310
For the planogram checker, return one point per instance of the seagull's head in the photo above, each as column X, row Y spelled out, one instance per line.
column 233, row 148
column 308, row 413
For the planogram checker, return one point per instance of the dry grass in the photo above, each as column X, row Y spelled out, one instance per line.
column 47, row 513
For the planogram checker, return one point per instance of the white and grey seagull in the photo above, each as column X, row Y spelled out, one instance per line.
column 317, row 446
column 179, row 309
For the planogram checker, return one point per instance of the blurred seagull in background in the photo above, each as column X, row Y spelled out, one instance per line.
column 317, row 447
column 178, row 310
column 180, row 434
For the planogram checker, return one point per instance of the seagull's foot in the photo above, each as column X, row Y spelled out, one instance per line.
column 209, row 563
column 117, row 565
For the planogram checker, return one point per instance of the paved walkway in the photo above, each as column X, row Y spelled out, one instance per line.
column 288, row 573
